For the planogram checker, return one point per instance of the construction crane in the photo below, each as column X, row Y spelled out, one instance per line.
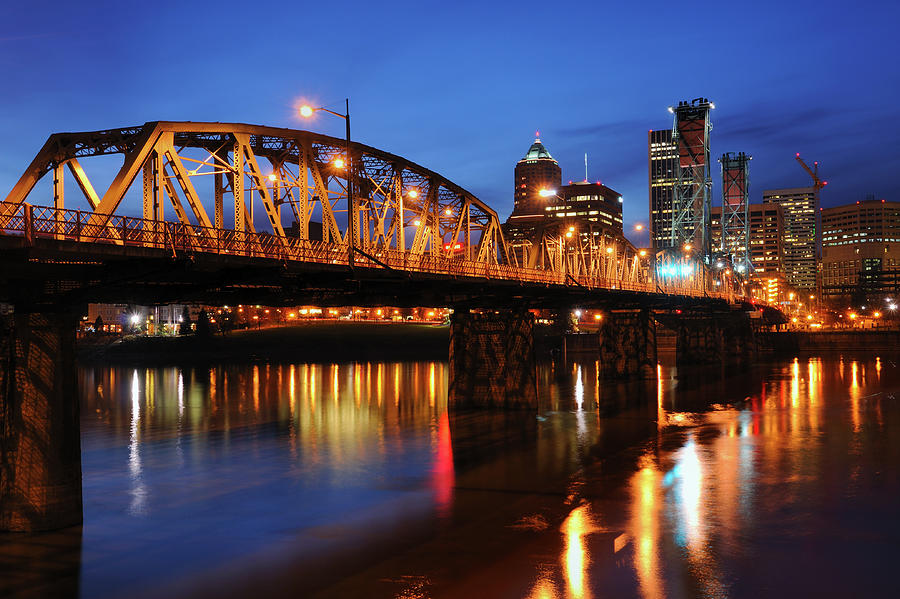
column 814, row 173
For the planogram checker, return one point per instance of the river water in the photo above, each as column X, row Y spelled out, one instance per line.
column 354, row 480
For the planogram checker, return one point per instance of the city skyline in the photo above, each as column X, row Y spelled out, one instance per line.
column 481, row 90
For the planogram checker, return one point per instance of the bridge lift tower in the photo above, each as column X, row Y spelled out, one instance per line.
column 736, row 210
column 691, row 202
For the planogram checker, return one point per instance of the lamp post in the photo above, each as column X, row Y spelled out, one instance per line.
column 307, row 111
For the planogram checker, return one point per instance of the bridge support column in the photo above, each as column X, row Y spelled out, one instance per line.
column 724, row 338
column 40, row 445
column 699, row 341
column 739, row 339
column 628, row 344
column 492, row 361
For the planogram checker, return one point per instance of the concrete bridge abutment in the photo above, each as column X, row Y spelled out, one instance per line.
column 492, row 360
column 40, row 443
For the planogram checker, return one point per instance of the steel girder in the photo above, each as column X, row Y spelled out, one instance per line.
column 582, row 251
column 400, row 205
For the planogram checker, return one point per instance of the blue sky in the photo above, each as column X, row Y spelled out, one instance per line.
column 461, row 87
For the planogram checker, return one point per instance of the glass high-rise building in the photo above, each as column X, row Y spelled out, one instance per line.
column 800, row 210
column 662, row 156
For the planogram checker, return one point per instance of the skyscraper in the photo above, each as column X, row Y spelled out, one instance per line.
column 801, row 235
column 537, row 170
column 662, row 155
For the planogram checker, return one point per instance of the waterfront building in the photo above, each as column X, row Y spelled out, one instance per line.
column 662, row 157
column 861, row 250
column 801, row 238
column 766, row 238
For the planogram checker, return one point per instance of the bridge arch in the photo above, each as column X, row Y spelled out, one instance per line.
column 399, row 204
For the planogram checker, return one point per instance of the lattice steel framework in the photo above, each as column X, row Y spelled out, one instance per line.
column 212, row 176
column 400, row 205
column 736, row 209
column 582, row 250
column 691, row 202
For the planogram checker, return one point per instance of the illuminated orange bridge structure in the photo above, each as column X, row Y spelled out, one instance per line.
column 220, row 213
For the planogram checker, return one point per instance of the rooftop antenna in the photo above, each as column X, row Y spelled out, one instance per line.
column 585, row 167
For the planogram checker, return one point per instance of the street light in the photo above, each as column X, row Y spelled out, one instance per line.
column 306, row 112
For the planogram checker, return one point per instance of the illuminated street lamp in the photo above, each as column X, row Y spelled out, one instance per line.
column 306, row 112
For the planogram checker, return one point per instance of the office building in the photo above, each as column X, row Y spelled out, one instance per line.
column 537, row 170
column 801, row 234
column 589, row 202
column 662, row 155
column 861, row 250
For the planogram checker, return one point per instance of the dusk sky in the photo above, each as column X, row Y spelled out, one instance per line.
column 461, row 87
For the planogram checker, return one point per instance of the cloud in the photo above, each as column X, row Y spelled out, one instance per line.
column 626, row 128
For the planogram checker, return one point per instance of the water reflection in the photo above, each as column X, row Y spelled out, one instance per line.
column 728, row 471
column 687, row 485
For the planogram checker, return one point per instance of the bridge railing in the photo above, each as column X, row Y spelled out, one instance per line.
column 86, row 227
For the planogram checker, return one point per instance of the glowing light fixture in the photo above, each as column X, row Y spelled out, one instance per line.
column 306, row 111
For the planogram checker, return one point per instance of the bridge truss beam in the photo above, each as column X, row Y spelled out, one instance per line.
column 400, row 205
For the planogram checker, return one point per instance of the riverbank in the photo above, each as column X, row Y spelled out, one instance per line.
column 307, row 342
column 809, row 342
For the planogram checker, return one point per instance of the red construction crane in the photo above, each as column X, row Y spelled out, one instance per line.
column 813, row 172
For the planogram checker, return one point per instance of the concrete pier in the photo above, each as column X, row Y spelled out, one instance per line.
column 717, row 338
column 492, row 360
column 40, row 445
column 628, row 344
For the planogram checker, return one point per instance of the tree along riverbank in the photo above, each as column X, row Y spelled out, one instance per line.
column 307, row 342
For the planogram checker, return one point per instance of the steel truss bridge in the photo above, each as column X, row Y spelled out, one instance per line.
column 218, row 198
